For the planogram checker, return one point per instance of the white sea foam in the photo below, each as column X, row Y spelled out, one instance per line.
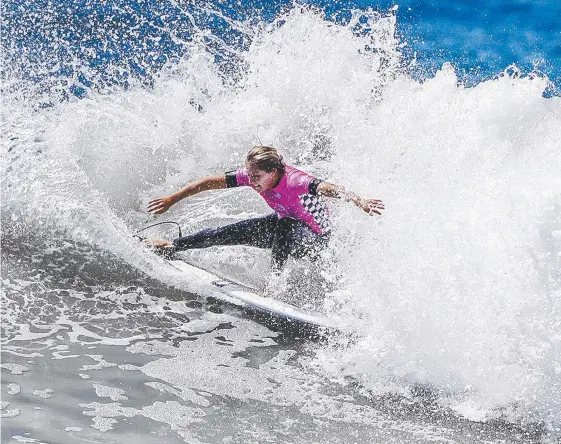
column 128, row 367
column 12, row 413
column 73, row 429
column 459, row 287
column 13, row 389
column 47, row 393
column 60, row 355
column 103, row 424
column 188, row 369
column 456, row 287
column 101, row 363
column 185, row 393
column 25, row 439
column 172, row 413
column 104, row 391
column 15, row 369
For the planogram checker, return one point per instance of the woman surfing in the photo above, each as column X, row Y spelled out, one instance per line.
column 299, row 226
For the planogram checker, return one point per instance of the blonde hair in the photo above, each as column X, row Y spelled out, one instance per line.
column 265, row 158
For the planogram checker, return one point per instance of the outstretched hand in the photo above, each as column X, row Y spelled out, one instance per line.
column 372, row 206
column 160, row 205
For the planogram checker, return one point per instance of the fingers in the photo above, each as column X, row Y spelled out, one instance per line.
column 375, row 203
column 371, row 211
column 374, row 206
column 157, row 206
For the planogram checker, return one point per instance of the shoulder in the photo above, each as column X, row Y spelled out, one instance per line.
column 290, row 172
column 296, row 178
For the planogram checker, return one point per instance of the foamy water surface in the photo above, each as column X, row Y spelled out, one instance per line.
column 453, row 294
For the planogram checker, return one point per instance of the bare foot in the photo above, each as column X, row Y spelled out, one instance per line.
column 157, row 243
column 162, row 248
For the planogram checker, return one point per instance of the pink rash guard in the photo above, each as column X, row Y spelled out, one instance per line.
column 294, row 197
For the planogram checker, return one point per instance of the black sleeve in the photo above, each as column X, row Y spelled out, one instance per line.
column 231, row 181
column 313, row 187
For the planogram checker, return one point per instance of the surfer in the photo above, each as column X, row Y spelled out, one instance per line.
column 299, row 226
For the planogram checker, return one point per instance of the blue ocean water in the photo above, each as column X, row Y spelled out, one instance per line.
column 71, row 46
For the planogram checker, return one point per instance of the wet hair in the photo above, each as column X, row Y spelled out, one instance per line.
column 265, row 158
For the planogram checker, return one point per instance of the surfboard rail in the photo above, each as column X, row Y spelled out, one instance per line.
column 237, row 294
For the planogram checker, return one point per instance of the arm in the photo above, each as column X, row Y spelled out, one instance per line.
column 162, row 204
column 370, row 206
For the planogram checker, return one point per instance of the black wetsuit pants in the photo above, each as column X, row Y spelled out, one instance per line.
column 284, row 236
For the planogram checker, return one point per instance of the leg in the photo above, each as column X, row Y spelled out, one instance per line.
column 308, row 243
column 295, row 238
column 257, row 232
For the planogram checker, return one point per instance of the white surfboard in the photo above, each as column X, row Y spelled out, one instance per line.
column 242, row 296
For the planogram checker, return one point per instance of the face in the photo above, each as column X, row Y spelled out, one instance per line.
column 262, row 180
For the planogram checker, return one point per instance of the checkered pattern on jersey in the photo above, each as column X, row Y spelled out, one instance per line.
column 316, row 207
